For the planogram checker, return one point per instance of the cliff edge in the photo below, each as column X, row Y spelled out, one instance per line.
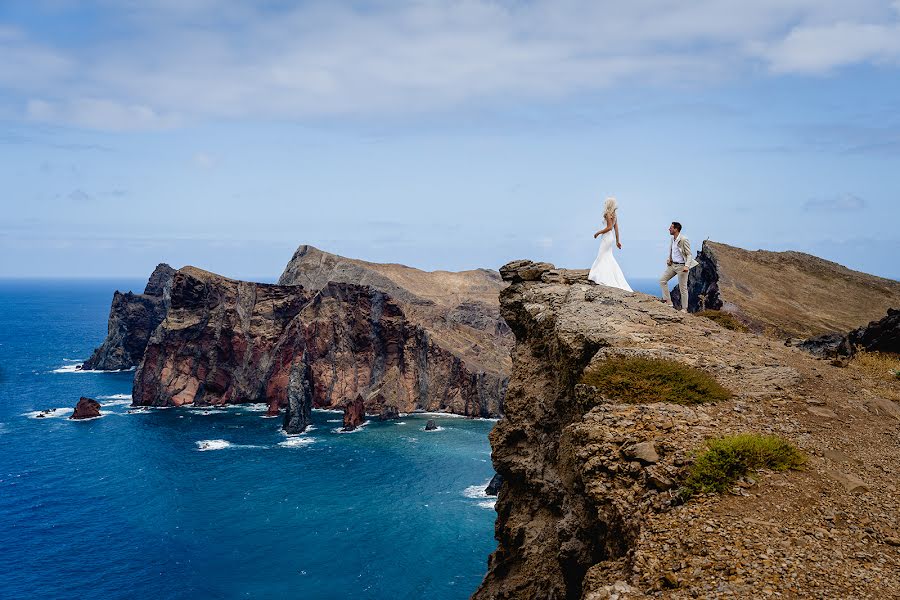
column 592, row 503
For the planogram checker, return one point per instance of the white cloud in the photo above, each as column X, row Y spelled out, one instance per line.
column 844, row 202
column 212, row 59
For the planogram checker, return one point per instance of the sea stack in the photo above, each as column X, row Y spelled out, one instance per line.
column 87, row 408
column 299, row 405
column 354, row 414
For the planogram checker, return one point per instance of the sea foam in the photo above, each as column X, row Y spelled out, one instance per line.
column 296, row 442
column 204, row 445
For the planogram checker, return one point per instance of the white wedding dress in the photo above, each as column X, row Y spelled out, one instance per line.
column 605, row 269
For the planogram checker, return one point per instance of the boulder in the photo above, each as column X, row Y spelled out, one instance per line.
column 430, row 425
column 87, row 408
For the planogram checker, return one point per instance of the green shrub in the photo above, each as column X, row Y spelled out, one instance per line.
column 645, row 380
column 728, row 458
column 726, row 320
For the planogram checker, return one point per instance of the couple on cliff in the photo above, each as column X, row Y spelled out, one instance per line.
column 606, row 271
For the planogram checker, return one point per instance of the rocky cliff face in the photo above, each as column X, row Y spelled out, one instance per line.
column 787, row 294
column 132, row 318
column 226, row 341
column 589, row 508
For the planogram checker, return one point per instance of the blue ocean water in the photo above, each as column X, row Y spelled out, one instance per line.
column 130, row 506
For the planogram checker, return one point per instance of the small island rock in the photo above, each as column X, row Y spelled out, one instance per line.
column 87, row 408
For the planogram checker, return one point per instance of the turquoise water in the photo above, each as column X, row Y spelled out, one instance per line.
column 130, row 506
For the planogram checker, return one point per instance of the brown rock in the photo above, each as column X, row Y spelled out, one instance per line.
column 87, row 408
column 851, row 483
column 354, row 414
column 438, row 345
column 644, row 452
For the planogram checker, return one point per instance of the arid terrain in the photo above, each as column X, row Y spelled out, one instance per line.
column 591, row 505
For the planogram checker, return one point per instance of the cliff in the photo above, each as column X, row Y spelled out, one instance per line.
column 592, row 504
column 132, row 318
column 227, row 341
column 787, row 294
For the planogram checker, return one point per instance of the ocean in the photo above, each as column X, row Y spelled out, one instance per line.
column 200, row 503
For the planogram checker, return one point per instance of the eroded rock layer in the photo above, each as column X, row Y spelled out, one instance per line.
column 227, row 341
column 589, row 506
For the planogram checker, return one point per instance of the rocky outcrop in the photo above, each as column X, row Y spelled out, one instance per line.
column 298, row 415
column 430, row 425
column 389, row 413
column 87, row 408
column 132, row 318
column 786, row 294
column 878, row 336
column 590, row 505
column 226, row 341
column 354, row 414
column 493, row 486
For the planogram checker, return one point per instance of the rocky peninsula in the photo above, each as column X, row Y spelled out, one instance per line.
column 333, row 329
column 593, row 502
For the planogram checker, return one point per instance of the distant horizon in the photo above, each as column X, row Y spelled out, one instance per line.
column 273, row 278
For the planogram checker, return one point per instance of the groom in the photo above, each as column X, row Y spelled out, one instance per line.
column 679, row 263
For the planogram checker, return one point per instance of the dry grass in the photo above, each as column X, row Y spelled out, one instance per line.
column 882, row 367
column 726, row 459
column 726, row 320
column 641, row 380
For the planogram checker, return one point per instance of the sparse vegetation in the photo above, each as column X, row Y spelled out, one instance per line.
column 726, row 320
column 877, row 364
column 644, row 380
column 726, row 459
column 882, row 367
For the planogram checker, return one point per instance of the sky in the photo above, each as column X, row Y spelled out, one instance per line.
column 443, row 134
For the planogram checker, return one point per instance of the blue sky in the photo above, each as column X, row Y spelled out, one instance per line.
column 442, row 134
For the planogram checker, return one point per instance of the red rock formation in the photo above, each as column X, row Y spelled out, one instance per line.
column 87, row 408
column 226, row 341
column 354, row 414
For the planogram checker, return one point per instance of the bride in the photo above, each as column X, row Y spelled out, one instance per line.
column 605, row 269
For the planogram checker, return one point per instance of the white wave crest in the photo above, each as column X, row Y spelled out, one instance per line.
column 477, row 491
column 115, row 397
column 296, row 442
column 50, row 413
column 74, row 368
column 358, row 428
column 487, row 504
column 204, row 445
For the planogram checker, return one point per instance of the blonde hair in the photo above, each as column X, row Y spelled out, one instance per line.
column 610, row 207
